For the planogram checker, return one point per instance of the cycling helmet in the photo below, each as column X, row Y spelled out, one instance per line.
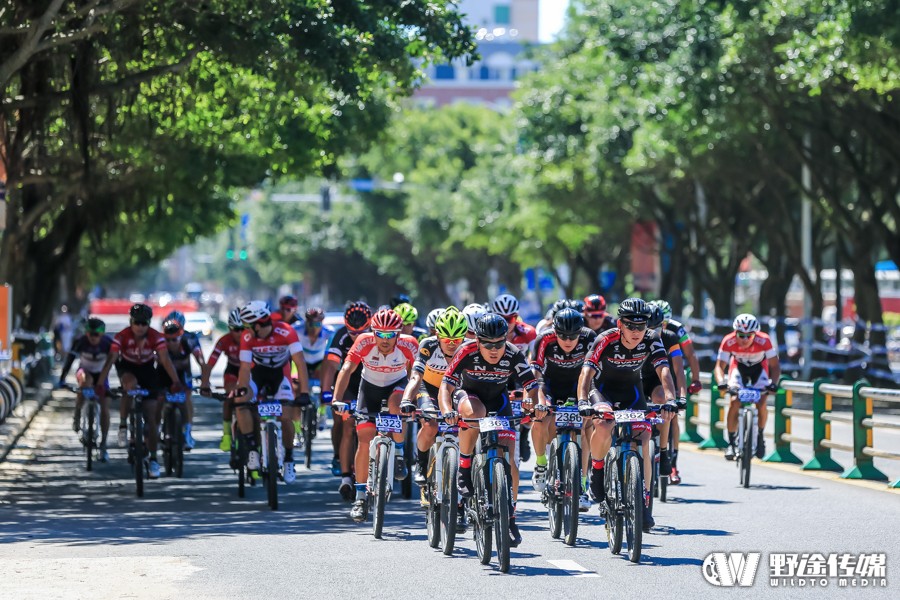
column 141, row 312
column 556, row 307
column 288, row 300
column 357, row 316
column 407, row 312
column 505, row 305
column 175, row 316
column 451, row 324
column 95, row 325
column 594, row 303
column 400, row 299
column 386, row 320
column 568, row 321
column 490, row 326
column 656, row 315
column 234, row 319
column 432, row 317
column 172, row 327
column 255, row 311
column 634, row 310
column 665, row 308
column 745, row 323
column 314, row 313
column 472, row 312
column 577, row 305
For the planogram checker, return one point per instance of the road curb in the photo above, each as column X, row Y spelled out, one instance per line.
column 17, row 424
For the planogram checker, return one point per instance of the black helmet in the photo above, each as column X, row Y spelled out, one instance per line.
column 491, row 326
column 400, row 299
column 634, row 310
column 357, row 315
column 656, row 317
column 576, row 304
column 95, row 325
column 141, row 312
column 568, row 321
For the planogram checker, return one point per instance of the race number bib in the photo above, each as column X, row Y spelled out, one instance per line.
column 269, row 409
column 493, row 424
column 567, row 417
column 749, row 395
column 176, row 398
column 388, row 422
column 630, row 416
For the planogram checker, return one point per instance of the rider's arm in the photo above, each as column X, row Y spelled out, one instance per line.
column 719, row 374
column 445, row 395
column 693, row 362
column 665, row 377
column 774, row 369
column 412, row 388
column 112, row 357
column 329, row 368
column 70, row 358
column 343, row 378
column 584, row 381
column 680, row 380
column 163, row 357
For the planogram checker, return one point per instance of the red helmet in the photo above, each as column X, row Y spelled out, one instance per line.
column 314, row 313
column 594, row 303
column 288, row 300
column 387, row 320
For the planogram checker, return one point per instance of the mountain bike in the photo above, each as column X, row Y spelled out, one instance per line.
column 238, row 453
column 137, row 449
column 748, row 424
column 309, row 420
column 90, row 423
column 173, row 434
column 440, row 487
column 271, row 448
column 563, row 484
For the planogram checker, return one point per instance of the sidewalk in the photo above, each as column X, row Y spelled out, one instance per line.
column 21, row 417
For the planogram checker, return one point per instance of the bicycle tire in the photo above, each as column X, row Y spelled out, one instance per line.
column 310, row 422
column 242, row 465
column 168, row 460
column 381, row 466
column 571, row 492
column 16, row 384
column 271, row 466
column 614, row 525
column 654, row 481
column 633, row 492
column 747, row 450
column 9, row 394
column 5, row 404
column 89, row 437
column 178, row 442
column 552, row 490
column 408, row 445
column 138, row 451
column 449, row 500
column 501, row 501
column 433, row 512
column 482, row 525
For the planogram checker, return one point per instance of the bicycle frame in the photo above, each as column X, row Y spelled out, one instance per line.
column 748, row 397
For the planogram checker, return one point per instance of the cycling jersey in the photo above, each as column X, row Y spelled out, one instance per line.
column 378, row 369
column 670, row 341
column 613, row 362
column 432, row 364
column 522, row 335
column 228, row 346
column 91, row 357
column 273, row 351
column 314, row 351
column 750, row 363
column 678, row 329
column 561, row 369
column 469, row 370
column 188, row 345
column 139, row 353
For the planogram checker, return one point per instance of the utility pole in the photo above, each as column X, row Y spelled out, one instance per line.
column 806, row 255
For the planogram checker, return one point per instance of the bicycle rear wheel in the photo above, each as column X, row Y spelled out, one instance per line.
column 408, row 444
column 89, row 436
column 633, row 493
column 747, row 448
column 481, row 523
column 449, row 499
column 271, row 466
column 500, row 497
column 614, row 524
column 381, row 465
column 310, row 422
column 570, row 492
column 138, row 439
column 238, row 451
column 433, row 512
column 178, row 442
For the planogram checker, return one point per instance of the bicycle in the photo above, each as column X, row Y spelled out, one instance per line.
column 271, row 446
column 624, row 483
column 90, row 422
column 748, row 423
column 173, row 434
column 137, row 452
column 490, row 506
column 563, row 484
column 309, row 420
column 238, row 454
column 440, row 487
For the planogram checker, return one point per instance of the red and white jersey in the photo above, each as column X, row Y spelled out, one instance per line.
column 757, row 353
column 521, row 335
column 228, row 346
column 142, row 352
column 273, row 351
column 378, row 369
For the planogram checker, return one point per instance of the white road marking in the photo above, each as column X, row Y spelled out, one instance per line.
column 572, row 566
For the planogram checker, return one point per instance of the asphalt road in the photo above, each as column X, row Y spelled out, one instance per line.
column 66, row 533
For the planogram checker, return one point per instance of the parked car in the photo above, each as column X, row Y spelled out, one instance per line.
column 200, row 323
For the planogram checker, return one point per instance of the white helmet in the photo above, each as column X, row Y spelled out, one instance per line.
column 255, row 310
column 472, row 312
column 745, row 323
column 234, row 318
column 432, row 317
column 505, row 305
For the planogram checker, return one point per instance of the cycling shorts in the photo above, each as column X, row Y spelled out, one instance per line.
column 372, row 397
column 271, row 382
column 620, row 396
column 144, row 373
column 737, row 380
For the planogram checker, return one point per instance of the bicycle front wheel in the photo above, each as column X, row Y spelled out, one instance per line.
column 552, row 491
column 633, row 492
column 482, row 524
column 747, row 448
column 449, row 499
column 139, row 451
column 310, row 422
column 178, row 442
column 381, row 484
column 570, row 492
column 271, row 466
column 433, row 510
column 89, row 436
column 500, row 497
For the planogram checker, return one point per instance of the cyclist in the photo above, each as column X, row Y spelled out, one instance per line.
column 547, row 322
column 595, row 314
column 409, row 315
column 687, row 348
column 430, row 320
column 315, row 338
column 558, row 358
column 653, row 388
column 133, row 350
column 91, row 349
column 267, row 349
column 387, row 357
column 475, row 383
column 753, row 363
column 287, row 312
column 181, row 346
column 472, row 312
column 229, row 345
column 614, row 368
column 357, row 318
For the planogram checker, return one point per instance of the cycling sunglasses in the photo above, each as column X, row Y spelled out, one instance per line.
column 458, row 340
column 386, row 335
column 491, row 345
column 594, row 315
column 568, row 338
column 141, row 323
column 745, row 336
column 314, row 323
column 630, row 326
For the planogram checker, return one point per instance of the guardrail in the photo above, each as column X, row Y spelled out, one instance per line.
column 29, row 357
column 823, row 393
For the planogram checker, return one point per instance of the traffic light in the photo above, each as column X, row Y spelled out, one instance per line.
column 229, row 254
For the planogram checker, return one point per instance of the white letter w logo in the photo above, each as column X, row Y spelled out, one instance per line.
column 727, row 569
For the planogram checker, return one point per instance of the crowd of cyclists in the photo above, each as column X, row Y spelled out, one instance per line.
column 464, row 364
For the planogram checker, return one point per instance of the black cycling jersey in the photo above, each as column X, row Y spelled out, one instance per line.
column 91, row 357
column 340, row 346
column 614, row 363
column 560, row 369
column 679, row 330
column 432, row 364
column 469, row 370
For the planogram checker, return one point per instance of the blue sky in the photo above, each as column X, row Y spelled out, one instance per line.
column 552, row 13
